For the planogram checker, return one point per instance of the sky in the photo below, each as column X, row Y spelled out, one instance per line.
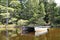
column 58, row 2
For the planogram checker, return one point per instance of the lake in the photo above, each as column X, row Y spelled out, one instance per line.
column 53, row 34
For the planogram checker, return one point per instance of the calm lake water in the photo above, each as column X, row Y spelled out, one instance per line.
column 53, row 34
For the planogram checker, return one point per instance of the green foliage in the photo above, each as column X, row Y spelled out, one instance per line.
column 13, row 20
column 46, row 18
column 33, row 10
column 15, row 4
column 4, row 9
column 22, row 22
column 57, row 20
column 5, row 15
column 40, row 22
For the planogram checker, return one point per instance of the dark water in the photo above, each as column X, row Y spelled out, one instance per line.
column 53, row 34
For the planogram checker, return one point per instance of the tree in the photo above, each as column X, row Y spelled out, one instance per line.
column 12, row 11
column 37, row 12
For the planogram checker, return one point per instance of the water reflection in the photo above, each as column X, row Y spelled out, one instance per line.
column 52, row 34
column 34, row 33
column 40, row 33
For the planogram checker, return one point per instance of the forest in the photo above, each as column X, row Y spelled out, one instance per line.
column 29, row 12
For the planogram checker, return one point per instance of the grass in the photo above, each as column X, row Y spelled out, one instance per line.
column 9, row 27
column 2, row 29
